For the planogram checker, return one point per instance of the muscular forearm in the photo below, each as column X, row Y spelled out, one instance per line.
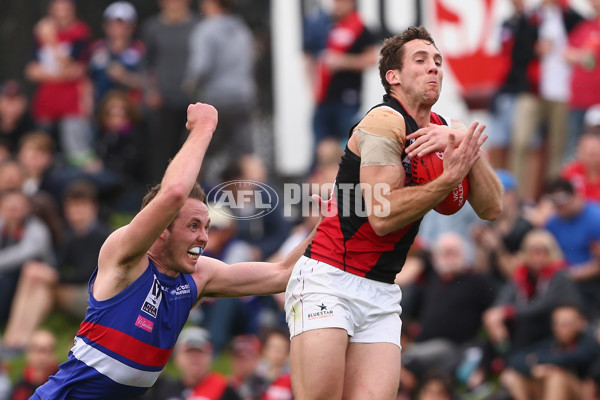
column 408, row 204
column 249, row 278
column 184, row 169
column 485, row 190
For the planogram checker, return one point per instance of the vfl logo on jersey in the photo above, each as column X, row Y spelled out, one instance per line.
column 153, row 299
column 323, row 312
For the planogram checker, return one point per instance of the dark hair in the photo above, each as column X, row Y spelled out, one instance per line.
column 436, row 375
column 232, row 171
column 196, row 193
column 226, row 5
column 81, row 190
column 41, row 140
column 573, row 305
column 392, row 51
column 560, row 185
column 109, row 99
column 274, row 331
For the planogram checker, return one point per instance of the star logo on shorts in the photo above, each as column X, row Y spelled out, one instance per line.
column 322, row 313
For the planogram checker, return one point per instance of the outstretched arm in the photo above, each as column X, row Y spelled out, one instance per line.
column 218, row 279
column 128, row 245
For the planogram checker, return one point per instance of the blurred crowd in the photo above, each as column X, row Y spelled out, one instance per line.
column 502, row 310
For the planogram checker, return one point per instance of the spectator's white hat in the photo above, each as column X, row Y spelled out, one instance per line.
column 122, row 10
column 193, row 337
column 592, row 116
column 220, row 216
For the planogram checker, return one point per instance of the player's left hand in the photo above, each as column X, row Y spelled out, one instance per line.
column 431, row 138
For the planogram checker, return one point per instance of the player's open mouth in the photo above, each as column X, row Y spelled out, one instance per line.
column 194, row 253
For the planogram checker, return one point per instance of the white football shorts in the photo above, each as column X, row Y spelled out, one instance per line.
column 319, row 295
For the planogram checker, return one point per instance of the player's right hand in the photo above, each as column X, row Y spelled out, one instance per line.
column 202, row 116
column 459, row 160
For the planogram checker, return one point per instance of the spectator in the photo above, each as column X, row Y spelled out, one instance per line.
column 452, row 305
column 435, row 224
column 5, row 382
column 436, row 387
column 593, row 385
column 583, row 52
column 5, row 150
column 59, row 70
column 15, row 119
column 497, row 243
column 264, row 234
column 279, row 389
column 116, row 59
column 584, row 171
column 40, row 363
column 337, row 69
column 554, row 369
column 120, row 171
column 273, row 367
column 517, row 38
column 521, row 312
column 591, row 119
column 13, row 177
column 245, row 356
column 547, row 107
column 23, row 238
column 167, row 37
column 42, row 287
column 36, row 154
column 328, row 154
column 576, row 227
column 193, row 358
column 220, row 71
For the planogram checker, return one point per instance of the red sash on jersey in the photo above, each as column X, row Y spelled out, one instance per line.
column 340, row 39
column 212, row 387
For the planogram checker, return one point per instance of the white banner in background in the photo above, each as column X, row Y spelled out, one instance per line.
column 466, row 32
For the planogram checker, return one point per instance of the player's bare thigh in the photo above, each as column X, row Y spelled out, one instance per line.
column 372, row 371
column 317, row 364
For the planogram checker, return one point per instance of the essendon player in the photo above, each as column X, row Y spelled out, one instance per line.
column 343, row 308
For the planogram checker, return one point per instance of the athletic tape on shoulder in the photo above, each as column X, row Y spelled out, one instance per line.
column 378, row 150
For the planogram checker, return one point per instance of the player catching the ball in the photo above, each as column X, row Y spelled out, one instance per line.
column 343, row 308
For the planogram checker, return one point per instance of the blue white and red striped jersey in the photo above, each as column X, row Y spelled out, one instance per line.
column 124, row 342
